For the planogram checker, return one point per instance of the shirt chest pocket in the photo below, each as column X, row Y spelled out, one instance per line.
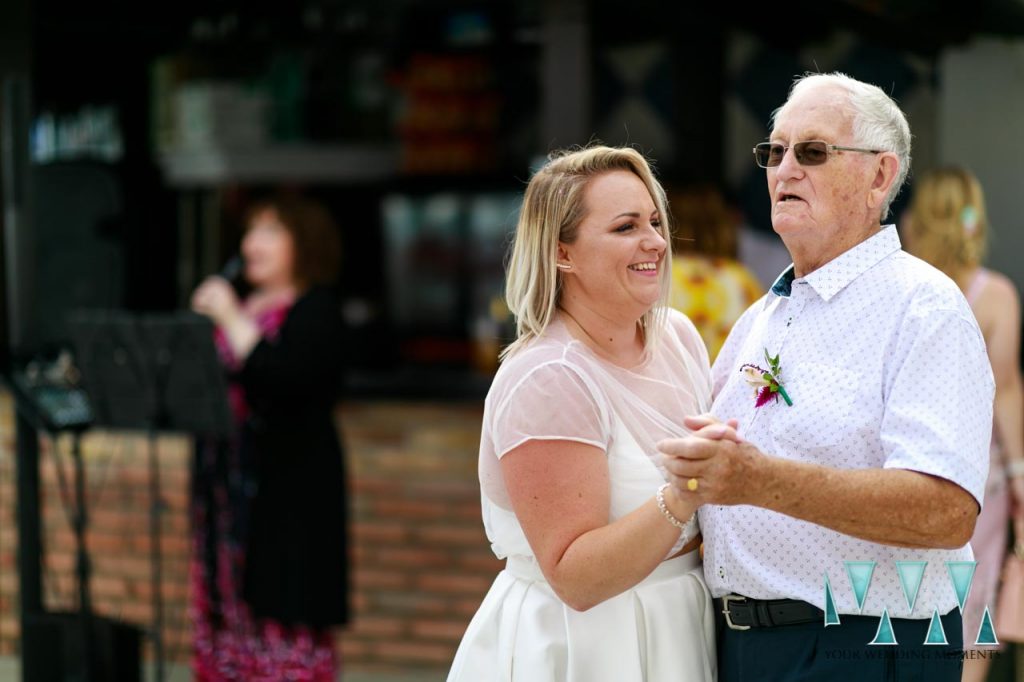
column 823, row 401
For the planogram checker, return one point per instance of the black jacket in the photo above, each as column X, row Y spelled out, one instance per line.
column 296, row 568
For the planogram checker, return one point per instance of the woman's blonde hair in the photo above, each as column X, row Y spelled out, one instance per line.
column 553, row 208
column 948, row 222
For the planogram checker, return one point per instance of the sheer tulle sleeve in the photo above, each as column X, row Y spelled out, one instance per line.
column 553, row 401
column 699, row 370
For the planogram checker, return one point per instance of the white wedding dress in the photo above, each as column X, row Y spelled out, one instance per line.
column 660, row 630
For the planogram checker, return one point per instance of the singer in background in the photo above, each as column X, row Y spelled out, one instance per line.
column 270, row 577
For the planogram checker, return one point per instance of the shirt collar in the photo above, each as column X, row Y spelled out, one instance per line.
column 783, row 285
column 834, row 276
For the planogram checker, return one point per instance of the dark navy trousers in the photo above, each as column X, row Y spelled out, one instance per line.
column 810, row 651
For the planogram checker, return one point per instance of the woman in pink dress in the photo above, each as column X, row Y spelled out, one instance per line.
column 269, row 571
column 948, row 228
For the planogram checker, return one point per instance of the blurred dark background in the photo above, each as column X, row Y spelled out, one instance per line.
column 136, row 135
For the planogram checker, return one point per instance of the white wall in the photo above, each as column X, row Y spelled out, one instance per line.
column 981, row 126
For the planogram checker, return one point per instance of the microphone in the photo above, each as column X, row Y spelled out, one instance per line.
column 233, row 271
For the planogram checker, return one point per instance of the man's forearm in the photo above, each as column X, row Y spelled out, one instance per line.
column 888, row 506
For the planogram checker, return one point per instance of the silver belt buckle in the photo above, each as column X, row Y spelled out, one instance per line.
column 728, row 616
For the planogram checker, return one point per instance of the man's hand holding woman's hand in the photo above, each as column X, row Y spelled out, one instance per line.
column 708, row 426
column 714, row 463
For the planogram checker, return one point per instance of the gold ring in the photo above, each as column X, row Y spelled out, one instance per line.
column 691, row 485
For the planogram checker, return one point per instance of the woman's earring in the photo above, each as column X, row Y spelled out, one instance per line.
column 563, row 266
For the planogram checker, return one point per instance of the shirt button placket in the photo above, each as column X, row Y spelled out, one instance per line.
column 780, row 326
column 795, row 306
column 771, row 341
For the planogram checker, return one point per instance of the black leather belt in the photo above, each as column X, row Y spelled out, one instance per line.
column 742, row 613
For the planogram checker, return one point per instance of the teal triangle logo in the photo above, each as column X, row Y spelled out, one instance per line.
column 831, row 613
column 986, row 632
column 961, row 574
column 860, row 573
column 884, row 636
column 936, row 633
column 911, row 574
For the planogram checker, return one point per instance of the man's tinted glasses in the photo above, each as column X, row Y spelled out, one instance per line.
column 809, row 153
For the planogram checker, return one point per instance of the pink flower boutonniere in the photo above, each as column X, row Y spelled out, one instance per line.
column 766, row 383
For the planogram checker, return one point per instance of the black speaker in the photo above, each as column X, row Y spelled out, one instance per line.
column 52, row 649
column 77, row 247
column 63, row 243
column 15, row 114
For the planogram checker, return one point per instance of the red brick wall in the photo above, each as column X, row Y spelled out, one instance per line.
column 421, row 561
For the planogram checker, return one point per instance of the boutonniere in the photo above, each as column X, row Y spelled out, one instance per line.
column 766, row 383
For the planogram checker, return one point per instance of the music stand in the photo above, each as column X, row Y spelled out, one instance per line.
column 153, row 372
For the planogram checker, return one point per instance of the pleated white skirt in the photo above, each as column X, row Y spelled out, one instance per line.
column 660, row 630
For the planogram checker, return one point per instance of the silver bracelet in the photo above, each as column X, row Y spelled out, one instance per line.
column 1015, row 467
column 660, row 497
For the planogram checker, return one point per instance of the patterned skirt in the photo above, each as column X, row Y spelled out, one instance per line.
column 229, row 644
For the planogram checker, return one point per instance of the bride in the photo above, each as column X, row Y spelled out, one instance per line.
column 603, row 580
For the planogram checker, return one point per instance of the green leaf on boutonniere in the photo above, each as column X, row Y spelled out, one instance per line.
column 766, row 383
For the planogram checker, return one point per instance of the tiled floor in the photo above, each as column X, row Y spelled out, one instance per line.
column 10, row 671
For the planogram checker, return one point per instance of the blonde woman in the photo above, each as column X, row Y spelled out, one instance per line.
column 603, row 579
column 948, row 227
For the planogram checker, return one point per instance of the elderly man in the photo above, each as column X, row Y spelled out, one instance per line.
column 856, row 398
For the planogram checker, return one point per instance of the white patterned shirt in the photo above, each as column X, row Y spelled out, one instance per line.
column 886, row 367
